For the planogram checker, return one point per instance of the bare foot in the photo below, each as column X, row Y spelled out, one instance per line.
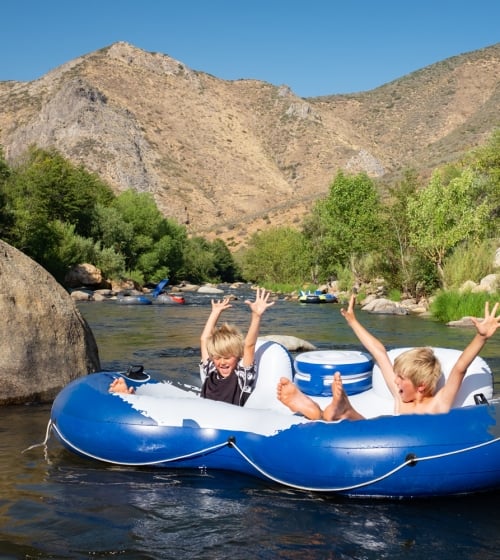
column 118, row 385
column 291, row 396
column 340, row 408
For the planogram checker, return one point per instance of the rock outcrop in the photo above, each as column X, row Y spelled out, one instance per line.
column 44, row 341
column 84, row 274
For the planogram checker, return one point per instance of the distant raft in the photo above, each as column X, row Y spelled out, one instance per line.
column 317, row 297
column 166, row 299
column 134, row 300
column 406, row 456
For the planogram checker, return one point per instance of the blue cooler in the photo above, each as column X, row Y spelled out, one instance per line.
column 314, row 371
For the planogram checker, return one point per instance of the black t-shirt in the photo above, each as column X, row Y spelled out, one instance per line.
column 233, row 389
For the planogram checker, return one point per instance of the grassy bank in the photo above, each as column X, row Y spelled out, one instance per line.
column 453, row 305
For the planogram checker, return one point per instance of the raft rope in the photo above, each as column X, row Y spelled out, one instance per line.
column 44, row 442
column 142, row 463
column 411, row 460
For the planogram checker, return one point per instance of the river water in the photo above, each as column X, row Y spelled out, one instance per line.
column 55, row 505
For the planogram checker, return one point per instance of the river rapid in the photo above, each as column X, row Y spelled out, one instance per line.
column 56, row 505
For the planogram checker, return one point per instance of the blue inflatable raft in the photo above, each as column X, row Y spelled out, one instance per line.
column 162, row 425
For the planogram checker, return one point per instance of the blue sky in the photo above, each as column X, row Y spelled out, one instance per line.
column 317, row 47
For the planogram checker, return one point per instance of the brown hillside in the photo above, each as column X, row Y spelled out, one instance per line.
column 232, row 157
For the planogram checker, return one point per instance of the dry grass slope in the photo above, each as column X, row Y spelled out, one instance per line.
column 233, row 157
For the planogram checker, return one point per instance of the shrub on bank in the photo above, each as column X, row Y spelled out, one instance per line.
column 454, row 305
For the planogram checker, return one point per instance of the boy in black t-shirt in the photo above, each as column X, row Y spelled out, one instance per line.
column 227, row 366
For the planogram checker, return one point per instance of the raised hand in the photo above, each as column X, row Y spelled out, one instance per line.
column 261, row 302
column 218, row 306
column 486, row 327
column 348, row 313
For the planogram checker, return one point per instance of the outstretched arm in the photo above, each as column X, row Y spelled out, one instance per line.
column 485, row 328
column 257, row 307
column 371, row 344
column 217, row 308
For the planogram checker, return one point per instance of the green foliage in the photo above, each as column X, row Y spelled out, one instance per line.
column 136, row 276
column 199, row 265
column 152, row 246
column 345, row 279
column 42, row 196
column 398, row 256
column 469, row 261
column 226, row 268
column 346, row 224
column 453, row 305
column 110, row 227
column 485, row 162
column 394, row 295
column 6, row 219
column 60, row 215
column 442, row 216
column 4, row 168
column 282, row 288
column 365, row 267
column 110, row 262
column 422, row 276
column 71, row 248
column 279, row 255
column 206, row 261
column 46, row 186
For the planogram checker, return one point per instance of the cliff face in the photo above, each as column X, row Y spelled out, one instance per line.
column 219, row 154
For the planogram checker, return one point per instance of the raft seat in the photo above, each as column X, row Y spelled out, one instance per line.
column 272, row 361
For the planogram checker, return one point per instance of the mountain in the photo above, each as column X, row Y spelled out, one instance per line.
column 232, row 157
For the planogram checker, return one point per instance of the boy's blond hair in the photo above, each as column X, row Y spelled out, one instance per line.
column 226, row 340
column 421, row 367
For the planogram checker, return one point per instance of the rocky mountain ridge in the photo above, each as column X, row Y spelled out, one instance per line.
column 231, row 157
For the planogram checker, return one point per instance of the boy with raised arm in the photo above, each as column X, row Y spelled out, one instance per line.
column 412, row 379
column 227, row 366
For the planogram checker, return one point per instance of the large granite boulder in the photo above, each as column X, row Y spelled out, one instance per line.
column 44, row 341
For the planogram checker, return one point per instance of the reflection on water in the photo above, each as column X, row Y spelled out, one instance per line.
column 56, row 505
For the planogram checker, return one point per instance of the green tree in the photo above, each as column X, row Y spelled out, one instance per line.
column 199, row 261
column 278, row 255
column 442, row 216
column 111, row 229
column 485, row 162
column 226, row 268
column 44, row 191
column 346, row 224
column 152, row 245
column 46, row 184
column 401, row 265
